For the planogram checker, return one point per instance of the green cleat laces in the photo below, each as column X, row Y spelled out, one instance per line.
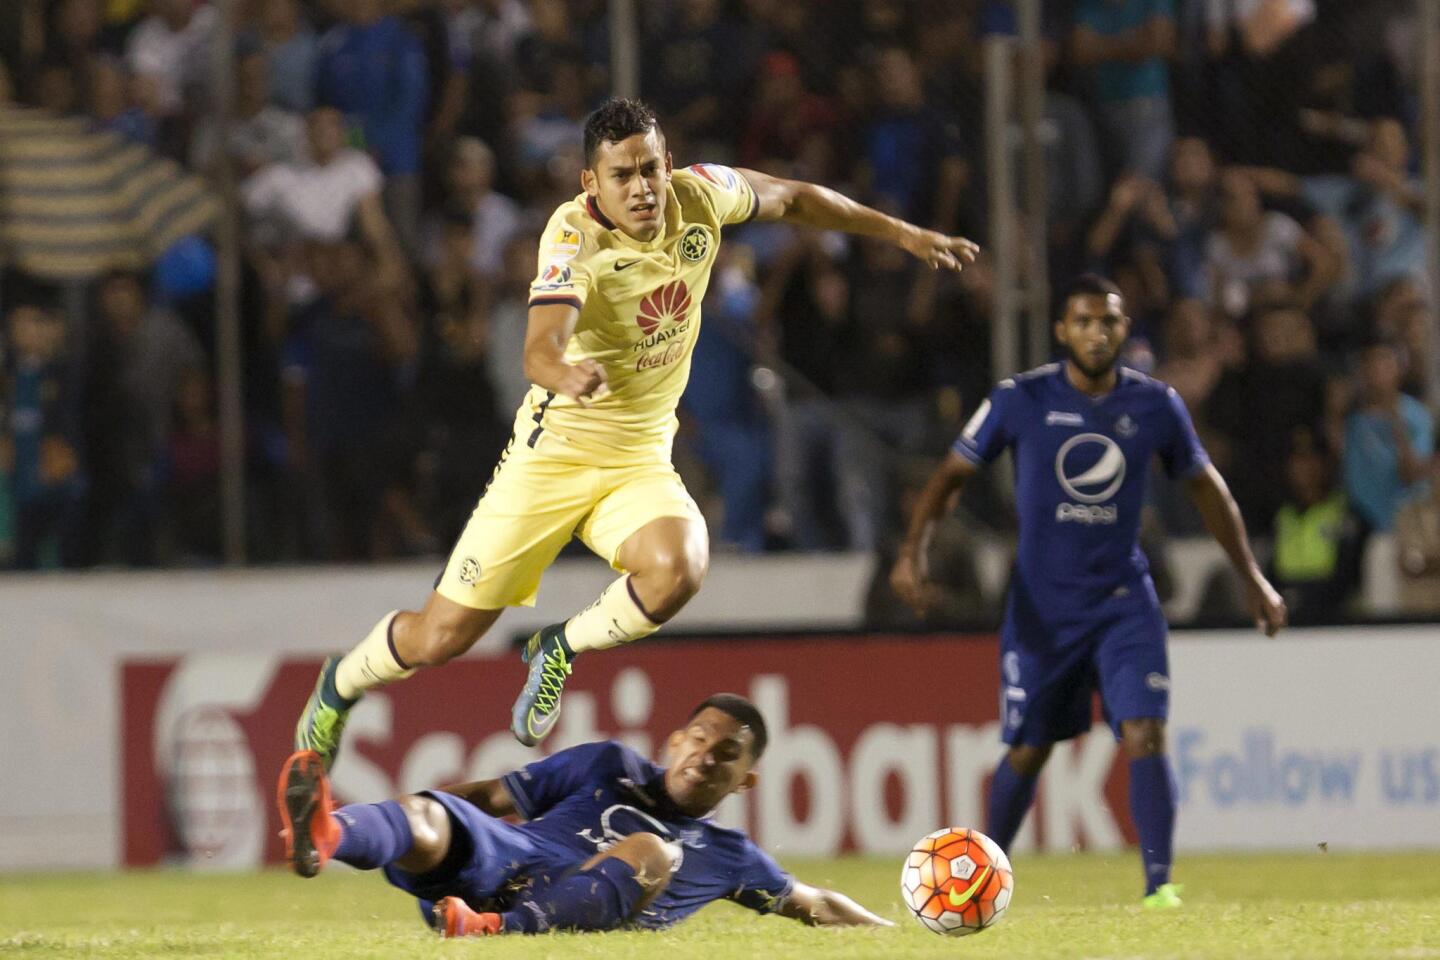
column 538, row 706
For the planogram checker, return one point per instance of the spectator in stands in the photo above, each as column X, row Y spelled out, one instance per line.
column 261, row 132
column 453, row 406
column 1417, row 534
column 350, row 353
column 137, row 361
column 170, row 48
column 284, row 37
column 732, row 436
column 1128, row 44
column 113, row 105
column 1378, row 206
column 52, row 87
column 39, row 438
column 508, row 319
column 784, row 114
column 1388, row 439
column 1254, row 247
column 914, row 155
column 319, row 198
column 371, row 67
column 1316, row 559
column 192, row 488
column 703, row 56
column 1262, row 405
column 494, row 217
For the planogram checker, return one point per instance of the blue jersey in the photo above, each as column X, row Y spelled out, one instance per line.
column 1080, row 466
column 584, row 800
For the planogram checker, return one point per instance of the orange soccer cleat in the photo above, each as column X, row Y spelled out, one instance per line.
column 303, row 796
column 454, row 918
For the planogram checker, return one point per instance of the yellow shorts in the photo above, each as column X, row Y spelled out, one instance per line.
column 531, row 508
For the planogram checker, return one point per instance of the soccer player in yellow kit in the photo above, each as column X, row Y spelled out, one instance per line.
column 614, row 315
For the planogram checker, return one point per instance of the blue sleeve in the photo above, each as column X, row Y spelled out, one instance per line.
column 538, row 786
column 1421, row 429
column 988, row 431
column 1182, row 454
column 763, row 884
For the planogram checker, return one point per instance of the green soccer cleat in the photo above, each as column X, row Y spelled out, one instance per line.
column 538, row 706
column 321, row 724
column 1165, row 897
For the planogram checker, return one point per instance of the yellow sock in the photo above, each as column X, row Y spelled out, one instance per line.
column 616, row 617
column 373, row 663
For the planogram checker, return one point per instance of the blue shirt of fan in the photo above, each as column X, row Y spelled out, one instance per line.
column 1080, row 473
column 583, row 800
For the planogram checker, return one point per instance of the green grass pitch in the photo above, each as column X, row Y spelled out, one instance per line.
column 1258, row 907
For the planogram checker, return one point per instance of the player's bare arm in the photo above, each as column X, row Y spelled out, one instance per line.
column 811, row 205
column 549, row 329
column 910, row 576
column 489, row 795
column 1217, row 507
column 819, row 907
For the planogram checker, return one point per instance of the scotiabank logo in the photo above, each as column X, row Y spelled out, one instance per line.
column 856, row 762
column 668, row 304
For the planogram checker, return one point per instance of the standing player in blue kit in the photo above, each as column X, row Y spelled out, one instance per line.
column 1082, row 614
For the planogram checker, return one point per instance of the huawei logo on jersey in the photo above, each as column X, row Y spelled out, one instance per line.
column 669, row 303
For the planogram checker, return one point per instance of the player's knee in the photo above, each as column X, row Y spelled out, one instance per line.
column 1143, row 738
column 435, row 641
column 651, row 856
column 1028, row 760
column 430, row 831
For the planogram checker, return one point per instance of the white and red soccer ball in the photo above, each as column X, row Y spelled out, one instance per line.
column 957, row 881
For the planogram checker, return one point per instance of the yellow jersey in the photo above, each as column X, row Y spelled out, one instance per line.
column 639, row 317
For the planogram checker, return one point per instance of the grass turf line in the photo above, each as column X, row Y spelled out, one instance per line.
column 1255, row 906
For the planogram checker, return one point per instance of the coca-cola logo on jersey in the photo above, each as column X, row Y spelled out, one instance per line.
column 667, row 304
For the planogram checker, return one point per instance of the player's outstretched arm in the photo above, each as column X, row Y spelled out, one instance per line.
column 817, row 906
column 1222, row 518
column 546, row 334
column 910, row 576
column 811, row 205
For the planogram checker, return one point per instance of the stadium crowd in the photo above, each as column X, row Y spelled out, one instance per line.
column 1245, row 170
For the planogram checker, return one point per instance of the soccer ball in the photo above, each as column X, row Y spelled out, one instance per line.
column 957, row 881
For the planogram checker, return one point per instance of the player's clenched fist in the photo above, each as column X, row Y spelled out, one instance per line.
column 582, row 382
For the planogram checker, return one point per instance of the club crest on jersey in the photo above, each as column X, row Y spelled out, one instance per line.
column 667, row 304
column 1125, row 426
column 695, row 244
column 470, row 571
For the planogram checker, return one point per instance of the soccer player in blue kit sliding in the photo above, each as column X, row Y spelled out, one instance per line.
column 1082, row 614
column 609, row 839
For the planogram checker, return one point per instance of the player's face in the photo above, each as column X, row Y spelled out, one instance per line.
column 708, row 760
column 1092, row 332
column 628, row 182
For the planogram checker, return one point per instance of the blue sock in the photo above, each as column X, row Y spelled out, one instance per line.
column 373, row 834
column 1152, row 807
column 329, row 695
column 1011, row 795
column 601, row 898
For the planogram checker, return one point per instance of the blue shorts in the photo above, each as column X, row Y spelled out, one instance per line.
column 490, row 860
column 1050, row 670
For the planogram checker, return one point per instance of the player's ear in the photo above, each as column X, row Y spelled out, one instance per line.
column 669, row 164
column 747, row 782
column 589, row 182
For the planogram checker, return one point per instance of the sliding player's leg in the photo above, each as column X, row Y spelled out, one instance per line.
column 649, row 528
column 528, row 512
column 606, row 892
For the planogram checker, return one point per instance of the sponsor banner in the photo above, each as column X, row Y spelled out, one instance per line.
column 875, row 741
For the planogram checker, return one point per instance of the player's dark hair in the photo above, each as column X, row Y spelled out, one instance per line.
column 1089, row 285
column 613, row 121
column 742, row 710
